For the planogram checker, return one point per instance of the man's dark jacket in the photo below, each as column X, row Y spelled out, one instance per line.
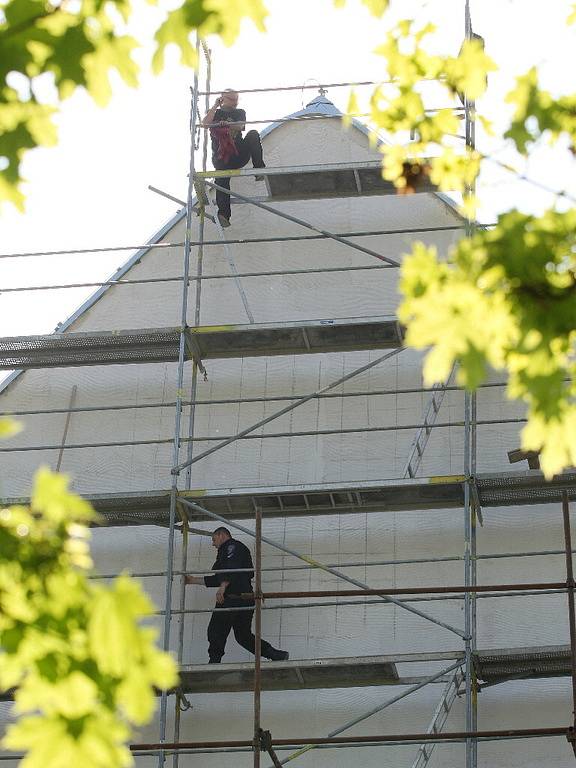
column 232, row 554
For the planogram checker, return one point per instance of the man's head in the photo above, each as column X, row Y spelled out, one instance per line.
column 229, row 99
column 219, row 536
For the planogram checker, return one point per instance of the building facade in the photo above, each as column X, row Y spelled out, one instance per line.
column 331, row 475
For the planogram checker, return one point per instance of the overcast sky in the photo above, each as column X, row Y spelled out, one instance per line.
column 91, row 190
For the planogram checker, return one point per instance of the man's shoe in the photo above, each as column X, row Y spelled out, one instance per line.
column 224, row 222
column 276, row 655
column 259, row 176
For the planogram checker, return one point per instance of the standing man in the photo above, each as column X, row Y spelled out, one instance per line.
column 232, row 554
column 229, row 148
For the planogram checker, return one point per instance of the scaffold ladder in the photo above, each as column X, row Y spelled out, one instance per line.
column 422, row 435
column 439, row 717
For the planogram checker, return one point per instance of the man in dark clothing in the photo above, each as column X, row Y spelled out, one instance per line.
column 229, row 148
column 232, row 554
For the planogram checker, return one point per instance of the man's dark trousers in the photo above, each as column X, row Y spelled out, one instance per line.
column 249, row 148
column 241, row 622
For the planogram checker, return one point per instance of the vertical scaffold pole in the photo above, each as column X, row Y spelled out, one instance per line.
column 467, row 582
column 257, row 635
column 178, row 408
column 470, row 512
column 192, row 413
column 200, row 265
column 571, row 610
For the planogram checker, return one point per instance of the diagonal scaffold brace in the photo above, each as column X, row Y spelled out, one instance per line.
column 287, row 409
column 321, row 566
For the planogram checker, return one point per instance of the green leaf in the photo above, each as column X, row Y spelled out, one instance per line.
column 176, row 31
column 50, row 495
column 468, row 72
column 538, row 114
column 111, row 53
column 112, row 628
column 9, row 427
column 377, row 7
column 136, row 697
column 226, row 16
column 73, row 697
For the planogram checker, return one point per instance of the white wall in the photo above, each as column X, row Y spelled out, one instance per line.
column 347, row 631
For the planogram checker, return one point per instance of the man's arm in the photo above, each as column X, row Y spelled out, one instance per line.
column 201, row 581
column 237, row 126
column 241, row 124
column 209, row 117
column 214, row 580
column 233, row 556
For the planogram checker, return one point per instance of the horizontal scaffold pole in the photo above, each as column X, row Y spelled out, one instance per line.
column 537, row 586
column 418, row 738
column 236, row 241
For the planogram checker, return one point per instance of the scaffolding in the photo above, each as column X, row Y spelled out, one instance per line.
column 461, row 672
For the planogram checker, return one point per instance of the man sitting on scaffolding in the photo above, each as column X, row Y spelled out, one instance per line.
column 229, row 148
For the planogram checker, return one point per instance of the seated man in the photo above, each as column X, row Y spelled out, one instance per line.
column 229, row 148
column 232, row 554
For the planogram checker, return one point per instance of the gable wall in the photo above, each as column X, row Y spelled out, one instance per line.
column 318, row 632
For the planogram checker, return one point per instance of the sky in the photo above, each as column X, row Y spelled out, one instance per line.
column 91, row 191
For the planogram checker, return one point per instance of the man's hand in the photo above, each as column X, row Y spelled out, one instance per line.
column 220, row 594
column 194, row 580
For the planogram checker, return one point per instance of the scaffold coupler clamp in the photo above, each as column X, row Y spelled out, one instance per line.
column 183, row 703
column 265, row 739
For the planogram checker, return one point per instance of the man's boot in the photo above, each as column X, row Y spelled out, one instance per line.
column 274, row 654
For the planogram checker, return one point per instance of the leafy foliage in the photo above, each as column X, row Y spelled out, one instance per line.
column 399, row 106
column 504, row 298
column 208, row 17
column 512, row 308
column 82, row 667
column 78, row 45
column 538, row 114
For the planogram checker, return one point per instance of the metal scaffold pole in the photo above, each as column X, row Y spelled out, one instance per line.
column 468, row 597
column 257, row 635
column 470, row 498
column 180, row 703
column 178, row 412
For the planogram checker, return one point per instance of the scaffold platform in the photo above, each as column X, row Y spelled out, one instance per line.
column 355, row 672
column 158, row 345
column 500, row 666
column 494, row 666
column 491, row 667
column 441, row 492
column 309, row 182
